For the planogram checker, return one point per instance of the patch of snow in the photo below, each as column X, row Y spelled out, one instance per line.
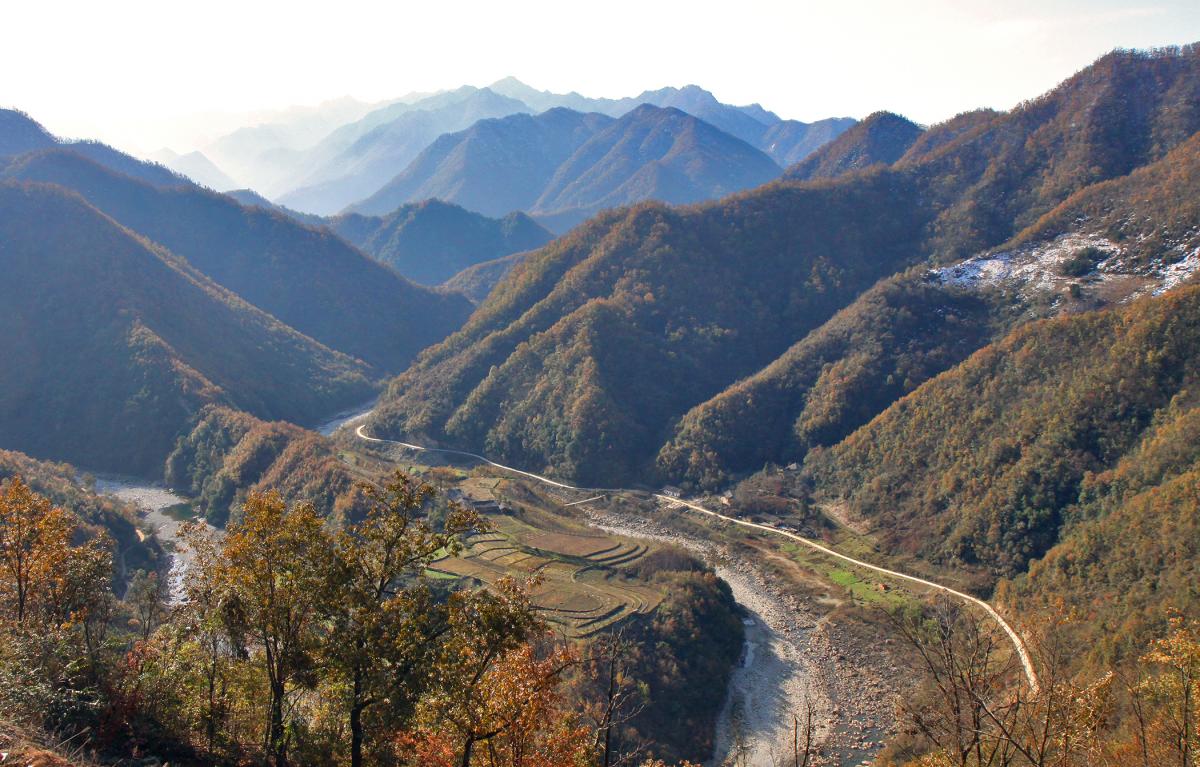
column 1174, row 274
column 1036, row 266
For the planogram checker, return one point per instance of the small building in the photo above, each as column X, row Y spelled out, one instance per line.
column 485, row 507
column 672, row 492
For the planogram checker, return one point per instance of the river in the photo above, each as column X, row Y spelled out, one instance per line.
column 345, row 418
column 164, row 511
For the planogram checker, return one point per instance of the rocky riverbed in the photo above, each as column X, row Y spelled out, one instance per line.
column 796, row 659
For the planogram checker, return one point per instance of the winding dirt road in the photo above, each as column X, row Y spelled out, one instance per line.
column 1017, row 642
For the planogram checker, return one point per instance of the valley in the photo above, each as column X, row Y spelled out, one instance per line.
column 756, row 720
column 492, row 426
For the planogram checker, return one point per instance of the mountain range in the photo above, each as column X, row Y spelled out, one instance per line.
column 614, row 351
column 353, row 161
column 305, row 277
column 563, row 166
column 968, row 351
column 157, row 298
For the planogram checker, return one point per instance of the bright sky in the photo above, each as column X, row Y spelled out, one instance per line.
column 144, row 74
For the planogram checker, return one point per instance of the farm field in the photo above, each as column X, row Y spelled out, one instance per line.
column 586, row 585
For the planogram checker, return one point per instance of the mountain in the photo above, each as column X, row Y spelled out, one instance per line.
column 654, row 153
column 1104, row 244
column 544, row 101
column 880, row 139
column 697, row 102
column 151, row 173
column 790, row 141
column 587, row 351
column 476, row 282
column 375, row 157
column 354, row 161
column 584, row 360
column 429, row 242
column 114, row 344
column 252, row 199
column 198, row 168
column 494, row 167
column 1070, row 441
column 306, row 278
column 260, row 154
column 19, row 133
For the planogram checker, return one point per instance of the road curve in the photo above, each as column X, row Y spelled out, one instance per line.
column 1017, row 641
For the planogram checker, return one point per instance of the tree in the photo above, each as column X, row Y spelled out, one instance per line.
column 147, row 595
column 276, row 565
column 1175, row 689
column 469, row 704
column 207, row 620
column 385, row 626
column 977, row 710
column 515, row 715
column 35, row 541
column 615, row 698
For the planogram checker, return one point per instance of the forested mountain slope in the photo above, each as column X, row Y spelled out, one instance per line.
column 1108, row 242
column 307, row 278
column 20, row 133
column 1065, row 430
column 880, row 139
column 589, row 348
column 113, row 345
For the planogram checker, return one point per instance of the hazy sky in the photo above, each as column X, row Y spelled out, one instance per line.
column 147, row 74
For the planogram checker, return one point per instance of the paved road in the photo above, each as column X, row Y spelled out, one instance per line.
column 1017, row 641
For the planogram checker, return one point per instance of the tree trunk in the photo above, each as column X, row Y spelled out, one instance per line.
column 356, row 728
column 278, row 748
column 466, row 756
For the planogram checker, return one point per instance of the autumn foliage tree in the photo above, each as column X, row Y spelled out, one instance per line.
column 385, row 627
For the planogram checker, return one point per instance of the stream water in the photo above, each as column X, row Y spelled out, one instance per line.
column 164, row 511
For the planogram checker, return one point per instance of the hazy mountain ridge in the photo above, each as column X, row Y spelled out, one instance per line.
column 880, row 139
column 307, row 278
column 21, row 134
column 494, row 167
column 372, row 159
column 562, row 166
column 198, row 168
column 357, row 159
column 786, row 141
column 431, row 241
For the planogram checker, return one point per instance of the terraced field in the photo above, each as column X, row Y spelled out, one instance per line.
column 585, row 584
